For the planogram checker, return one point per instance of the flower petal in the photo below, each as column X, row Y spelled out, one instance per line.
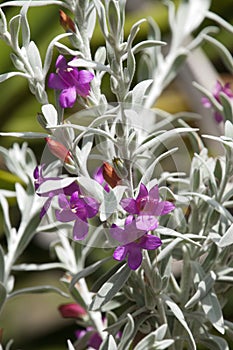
column 134, row 256
column 91, row 205
column 130, row 205
column 163, row 208
column 120, row 253
column 63, row 201
column 85, row 76
column 146, row 222
column 61, row 62
column 80, row 229
column 150, row 242
column 154, row 192
column 55, row 82
column 65, row 215
column 143, row 192
column 67, row 97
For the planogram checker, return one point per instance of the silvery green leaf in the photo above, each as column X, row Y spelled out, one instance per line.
column 5, row 210
column 190, row 15
column 227, row 107
column 133, row 32
column 203, row 288
column 3, row 22
column 180, row 317
column 92, row 187
column 110, row 202
column 140, row 90
column 2, row 264
column 6, row 76
column 114, row 17
column 210, row 96
column 50, row 114
column 35, row 60
column 25, row 26
column 227, row 238
column 224, row 52
column 147, row 44
column 49, row 52
column 108, row 344
column 87, row 271
column 228, row 26
column 3, row 295
column 21, row 196
column 150, row 168
column 213, row 311
column 34, row 3
column 80, row 62
column 28, row 234
column 127, row 335
column 178, row 61
column 167, row 251
column 110, row 288
column 150, row 342
column 161, row 331
column 70, row 346
column 14, row 26
column 102, row 17
column 104, row 277
column 38, row 267
column 38, row 289
column 91, row 21
column 100, row 55
column 25, row 135
column 213, row 342
column 51, row 185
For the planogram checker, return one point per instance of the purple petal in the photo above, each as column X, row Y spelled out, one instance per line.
column 71, row 188
column 55, row 82
column 117, row 233
column 65, row 215
column 218, row 117
column 80, row 229
column 129, row 234
column 134, row 256
column 146, row 222
column 120, row 253
column 95, row 341
column 67, row 97
column 83, row 89
column 130, row 205
column 92, row 206
column 98, row 175
column 150, row 242
column 61, row 62
column 142, row 192
column 206, row 102
column 163, row 208
column 85, row 77
column 63, row 201
column 74, row 199
column 154, row 193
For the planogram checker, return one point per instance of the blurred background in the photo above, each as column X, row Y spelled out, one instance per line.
column 24, row 319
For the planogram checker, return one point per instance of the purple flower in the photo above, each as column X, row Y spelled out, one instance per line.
column 99, row 177
column 216, row 93
column 95, row 339
column 78, row 209
column 133, row 241
column 70, row 81
column 147, row 207
column 40, row 179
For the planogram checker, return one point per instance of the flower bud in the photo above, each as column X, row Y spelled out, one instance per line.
column 60, row 151
column 66, row 22
column 72, row 311
column 119, row 166
column 110, row 176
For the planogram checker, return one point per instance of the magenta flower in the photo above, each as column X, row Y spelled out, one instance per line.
column 78, row 209
column 72, row 310
column 147, row 207
column 133, row 241
column 94, row 340
column 99, row 177
column 39, row 179
column 216, row 93
column 70, row 81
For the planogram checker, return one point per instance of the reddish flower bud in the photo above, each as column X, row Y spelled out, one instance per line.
column 72, row 311
column 110, row 175
column 66, row 22
column 59, row 150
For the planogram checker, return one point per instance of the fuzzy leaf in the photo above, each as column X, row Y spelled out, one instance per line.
column 227, row 238
column 109, row 344
column 110, row 288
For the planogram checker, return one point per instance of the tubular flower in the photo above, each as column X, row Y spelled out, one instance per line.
column 147, row 207
column 216, row 94
column 132, row 242
column 72, row 310
column 70, row 81
column 78, row 209
column 40, row 179
column 94, row 340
